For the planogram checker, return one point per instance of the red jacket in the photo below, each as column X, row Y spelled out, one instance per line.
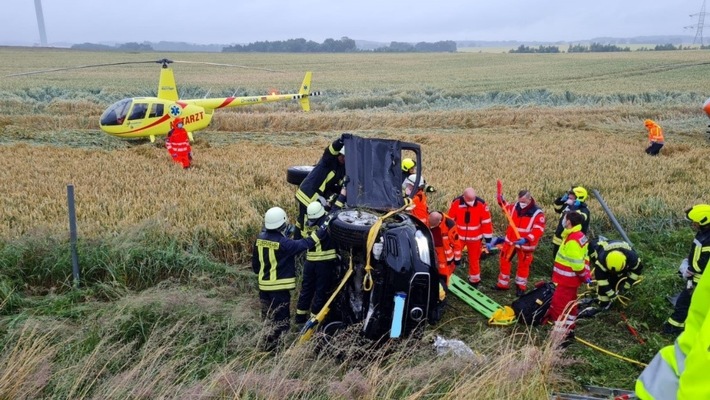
column 446, row 240
column 473, row 222
column 421, row 208
column 530, row 222
column 178, row 141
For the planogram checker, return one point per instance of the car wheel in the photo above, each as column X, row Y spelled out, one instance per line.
column 296, row 175
column 350, row 228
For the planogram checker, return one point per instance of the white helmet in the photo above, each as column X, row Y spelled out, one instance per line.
column 275, row 218
column 315, row 210
column 412, row 179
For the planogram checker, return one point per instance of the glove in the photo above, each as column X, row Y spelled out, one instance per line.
column 684, row 269
column 588, row 312
column 326, row 221
column 520, row 242
column 496, row 241
column 430, row 189
column 346, row 180
column 377, row 249
column 489, row 247
column 587, row 277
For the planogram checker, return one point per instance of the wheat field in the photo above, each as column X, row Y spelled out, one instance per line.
column 240, row 165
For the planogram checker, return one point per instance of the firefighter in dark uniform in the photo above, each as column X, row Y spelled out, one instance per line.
column 318, row 270
column 616, row 268
column 693, row 267
column 274, row 260
column 323, row 182
column 572, row 201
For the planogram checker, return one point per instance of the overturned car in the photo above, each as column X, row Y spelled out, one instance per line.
column 398, row 291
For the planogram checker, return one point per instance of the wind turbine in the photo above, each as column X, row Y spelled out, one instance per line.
column 40, row 23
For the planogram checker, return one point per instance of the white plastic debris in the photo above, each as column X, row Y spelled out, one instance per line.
column 448, row 346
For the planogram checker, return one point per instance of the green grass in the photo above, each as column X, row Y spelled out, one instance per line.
column 169, row 309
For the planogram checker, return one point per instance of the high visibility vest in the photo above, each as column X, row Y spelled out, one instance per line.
column 473, row 222
column 679, row 371
column 655, row 133
column 530, row 223
column 571, row 265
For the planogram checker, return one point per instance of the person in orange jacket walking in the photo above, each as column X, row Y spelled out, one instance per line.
column 655, row 137
column 529, row 221
column 447, row 243
column 178, row 144
column 473, row 221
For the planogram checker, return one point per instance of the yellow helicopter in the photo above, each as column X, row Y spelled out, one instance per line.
column 141, row 117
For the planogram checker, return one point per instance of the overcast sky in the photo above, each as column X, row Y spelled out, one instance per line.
column 238, row 21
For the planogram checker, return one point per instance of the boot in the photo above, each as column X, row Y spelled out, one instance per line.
column 569, row 339
column 496, row 287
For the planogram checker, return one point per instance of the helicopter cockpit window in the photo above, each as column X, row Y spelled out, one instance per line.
column 156, row 110
column 115, row 114
column 138, row 111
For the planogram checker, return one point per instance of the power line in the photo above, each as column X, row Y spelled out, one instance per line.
column 699, row 26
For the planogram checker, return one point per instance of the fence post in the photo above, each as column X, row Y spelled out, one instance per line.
column 72, row 234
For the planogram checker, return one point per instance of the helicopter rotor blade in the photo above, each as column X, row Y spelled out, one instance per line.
column 226, row 65
column 85, row 66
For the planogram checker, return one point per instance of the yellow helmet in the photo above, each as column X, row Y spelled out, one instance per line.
column 408, row 164
column 699, row 213
column 615, row 261
column 580, row 193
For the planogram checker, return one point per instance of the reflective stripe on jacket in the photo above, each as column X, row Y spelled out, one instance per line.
column 632, row 270
column 680, row 371
column 655, row 133
column 560, row 207
column 447, row 241
column 324, row 250
column 325, row 178
column 699, row 257
column 571, row 266
column 473, row 222
column 274, row 259
column 530, row 223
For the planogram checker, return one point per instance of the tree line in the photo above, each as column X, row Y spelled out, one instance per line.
column 597, row 48
column 344, row 45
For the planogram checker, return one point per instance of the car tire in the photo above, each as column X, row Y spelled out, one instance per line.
column 350, row 228
column 295, row 175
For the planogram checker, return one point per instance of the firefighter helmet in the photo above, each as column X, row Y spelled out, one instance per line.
column 408, row 164
column 615, row 261
column 699, row 213
column 315, row 210
column 579, row 193
column 275, row 218
column 412, row 179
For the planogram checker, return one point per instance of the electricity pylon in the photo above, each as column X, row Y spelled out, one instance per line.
column 699, row 26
